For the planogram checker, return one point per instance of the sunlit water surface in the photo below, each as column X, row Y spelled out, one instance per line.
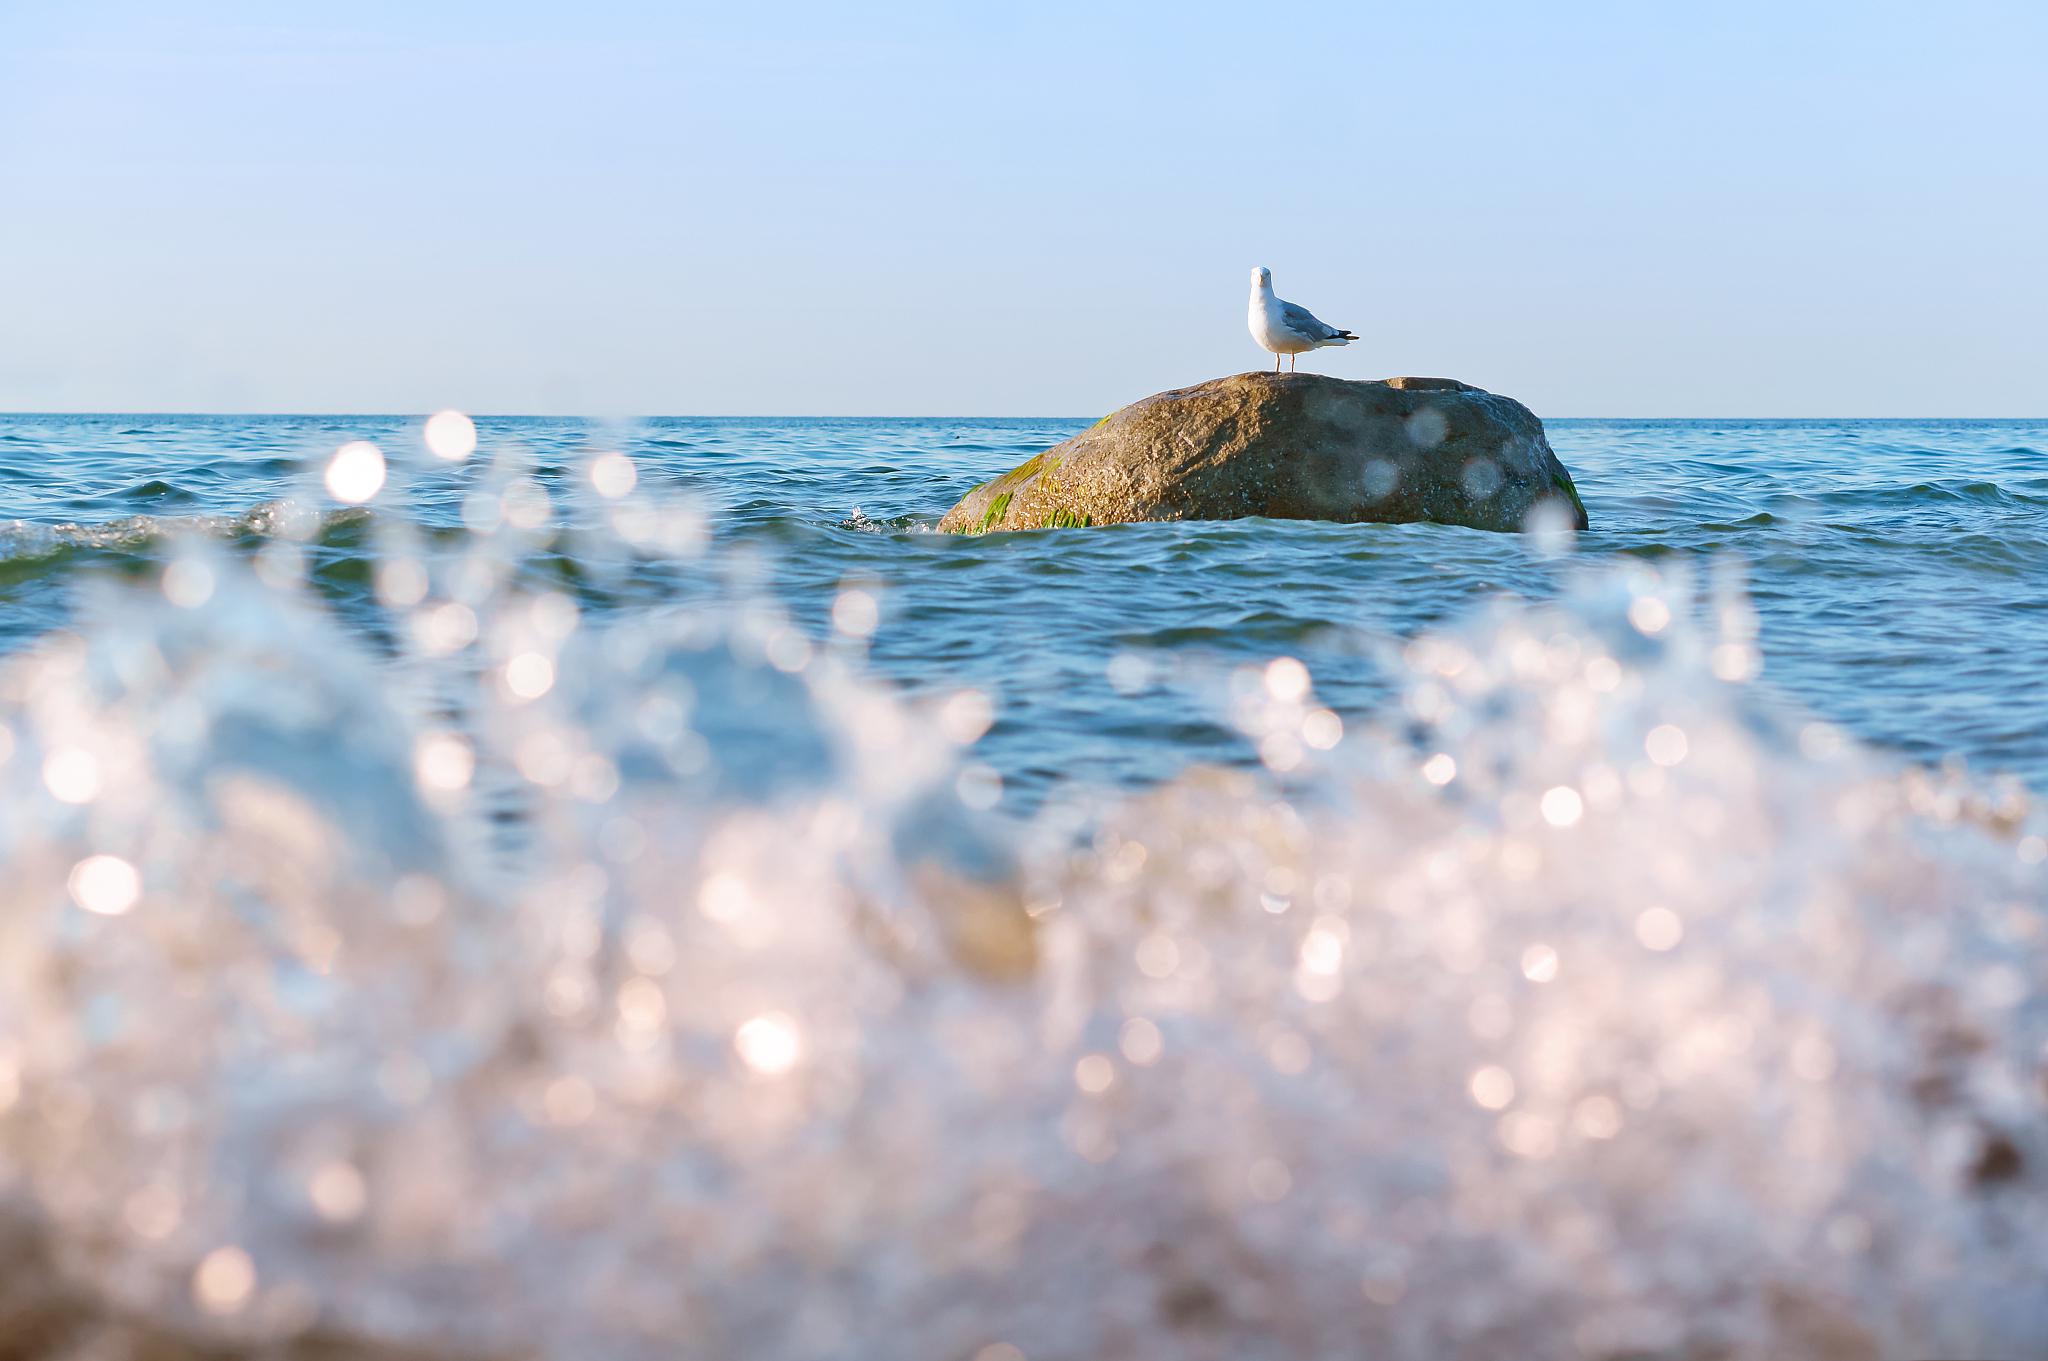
column 635, row 891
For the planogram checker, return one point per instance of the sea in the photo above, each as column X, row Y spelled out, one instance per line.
column 515, row 886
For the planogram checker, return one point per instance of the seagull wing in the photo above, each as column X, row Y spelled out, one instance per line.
column 1304, row 323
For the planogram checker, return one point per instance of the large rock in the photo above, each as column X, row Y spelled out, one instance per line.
column 1295, row 446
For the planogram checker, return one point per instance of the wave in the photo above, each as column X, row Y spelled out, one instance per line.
column 1948, row 491
column 160, row 491
column 26, row 541
column 595, row 988
column 863, row 523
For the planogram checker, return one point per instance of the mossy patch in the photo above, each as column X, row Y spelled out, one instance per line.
column 993, row 516
column 1563, row 483
column 1005, row 488
column 1067, row 519
column 1020, row 474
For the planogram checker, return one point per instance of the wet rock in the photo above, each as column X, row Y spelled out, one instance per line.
column 1294, row 446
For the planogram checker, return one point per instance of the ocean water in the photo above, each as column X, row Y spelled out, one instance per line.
column 634, row 891
column 1899, row 570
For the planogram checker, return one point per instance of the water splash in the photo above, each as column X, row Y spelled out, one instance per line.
column 542, row 984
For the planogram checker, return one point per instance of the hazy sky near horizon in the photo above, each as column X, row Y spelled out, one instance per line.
column 1814, row 209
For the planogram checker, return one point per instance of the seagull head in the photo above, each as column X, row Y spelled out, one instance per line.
column 1262, row 277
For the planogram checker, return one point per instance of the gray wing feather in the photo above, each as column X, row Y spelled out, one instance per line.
column 1303, row 321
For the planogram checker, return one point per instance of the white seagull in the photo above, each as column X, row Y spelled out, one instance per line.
column 1284, row 328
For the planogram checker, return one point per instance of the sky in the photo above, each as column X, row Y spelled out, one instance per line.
column 620, row 209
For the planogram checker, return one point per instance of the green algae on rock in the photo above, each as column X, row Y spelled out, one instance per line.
column 1295, row 446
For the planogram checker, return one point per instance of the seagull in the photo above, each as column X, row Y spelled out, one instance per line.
column 1284, row 328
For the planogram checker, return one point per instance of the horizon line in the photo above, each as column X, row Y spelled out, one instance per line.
column 10, row 413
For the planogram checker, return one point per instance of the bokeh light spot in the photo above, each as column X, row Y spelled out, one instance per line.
column 614, row 475
column 855, row 614
column 1287, row 680
column 1493, row 1087
column 529, row 675
column 338, row 1192
column 224, row 1280
column 1140, row 1041
column 1562, row 806
column 105, row 884
column 770, row 1044
column 1094, row 1073
column 450, row 436
column 355, row 473
column 72, row 775
column 1666, row 744
column 1649, row 614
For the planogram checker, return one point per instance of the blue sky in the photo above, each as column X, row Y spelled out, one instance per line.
column 638, row 208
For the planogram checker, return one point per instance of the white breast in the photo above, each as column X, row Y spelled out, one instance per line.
column 1263, row 318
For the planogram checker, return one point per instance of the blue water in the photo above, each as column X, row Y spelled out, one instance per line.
column 1899, row 568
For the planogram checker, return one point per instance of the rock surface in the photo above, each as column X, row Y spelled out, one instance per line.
column 1294, row 446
